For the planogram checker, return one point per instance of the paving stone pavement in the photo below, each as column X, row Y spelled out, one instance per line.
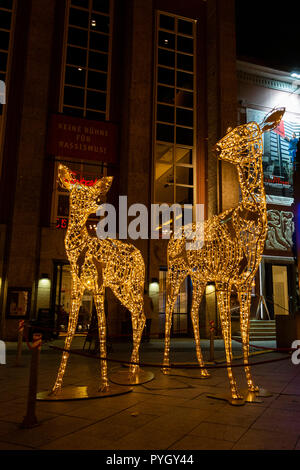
column 171, row 412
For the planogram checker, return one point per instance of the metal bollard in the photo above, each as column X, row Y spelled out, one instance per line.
column 212, row 341
column 20, row 342
column 30, row 420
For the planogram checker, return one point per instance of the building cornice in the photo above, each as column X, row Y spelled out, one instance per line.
column 267, row 77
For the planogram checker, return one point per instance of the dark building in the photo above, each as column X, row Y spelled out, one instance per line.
column 139, row 90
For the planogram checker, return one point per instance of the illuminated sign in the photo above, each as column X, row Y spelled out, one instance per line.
column 82, row 138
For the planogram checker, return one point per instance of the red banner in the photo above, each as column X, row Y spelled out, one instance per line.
column 82, row 138
column 280, row 129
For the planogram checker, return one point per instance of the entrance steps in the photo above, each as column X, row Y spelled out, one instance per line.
column 261, row 330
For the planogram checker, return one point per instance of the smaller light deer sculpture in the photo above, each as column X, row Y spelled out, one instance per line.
column 233, row 246
column 95, row 265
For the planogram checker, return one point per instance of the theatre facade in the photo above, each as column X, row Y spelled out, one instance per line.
column 137, row 90
column 260, row 89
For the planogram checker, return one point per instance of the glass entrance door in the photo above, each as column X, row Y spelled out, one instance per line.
column 280, row 288
column 61, row 300
column 180, row 321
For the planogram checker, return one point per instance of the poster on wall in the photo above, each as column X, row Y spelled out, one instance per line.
column 279, row 154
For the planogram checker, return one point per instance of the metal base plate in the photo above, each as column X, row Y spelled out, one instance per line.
column 82, row 393
column 226, row 397
column 262, row 392
column 122, row 377
column 251, row 397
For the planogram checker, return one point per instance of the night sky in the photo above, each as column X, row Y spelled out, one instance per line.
column 269, row 32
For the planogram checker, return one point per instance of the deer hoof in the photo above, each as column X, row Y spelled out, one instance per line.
column 104, row 388
column 204, row 374
column 55, row 391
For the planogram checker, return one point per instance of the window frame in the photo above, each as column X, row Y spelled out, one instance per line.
column 174, row 106
column 3, row 116
column 86, row 67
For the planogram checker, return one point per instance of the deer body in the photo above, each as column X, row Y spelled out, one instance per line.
column 232, row 248
column 95, row 265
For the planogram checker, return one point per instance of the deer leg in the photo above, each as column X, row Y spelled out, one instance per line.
column 138, row 322
column 197, row 296
column 76, row 296
column 99, row 303
column 173, row 287
column 245, row 301
column 223, row 299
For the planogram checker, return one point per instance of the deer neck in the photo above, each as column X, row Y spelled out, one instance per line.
column 77, row 234
column 253, row 197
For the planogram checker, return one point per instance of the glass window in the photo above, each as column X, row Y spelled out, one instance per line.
column 79, row 18
column 185, row 80
column 97, row 80
column 96, row 100
column 6, row 26
column 166, row 58
column 6, row 4
column 98, row 61
column 80, row 3
column 76, row 112
column 166, row 40
column 185, row 62
column 184, row 99
column 166, row 76
column 184, row 136
column 167, row 22
column 78, row 37
column 74, row 95
column 99, row 42
column 4, row 40
column 174, row 110
column 5, row 19
column 165, row 94
column 75, row 76
column 184, row 175
column 87, row 55
column 100, row 23
column 165, row 113
column 185, row 44
column 101, row 5
column 185, row 27
column 184, row 155
column 76, row 56
column 184, row 117
column 3, row 61
column 165, row 133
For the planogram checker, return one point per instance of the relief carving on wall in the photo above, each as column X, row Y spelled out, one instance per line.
column 280, row 230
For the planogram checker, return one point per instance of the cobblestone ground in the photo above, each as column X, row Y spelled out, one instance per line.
column 168, row 413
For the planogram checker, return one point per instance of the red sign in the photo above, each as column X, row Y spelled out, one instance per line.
column 280, row 129
column 82, row 138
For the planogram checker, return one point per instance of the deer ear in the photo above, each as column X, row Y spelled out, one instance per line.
column 65, row 177
column 272, row 119
column 103, row 185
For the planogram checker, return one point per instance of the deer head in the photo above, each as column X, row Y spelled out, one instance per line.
column 241, row 143
column 84, row 200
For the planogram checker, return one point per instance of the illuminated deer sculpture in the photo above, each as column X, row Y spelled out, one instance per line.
column 97, row 264
column 232, row 247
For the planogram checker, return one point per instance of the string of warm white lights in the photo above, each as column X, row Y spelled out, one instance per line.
column 232, row 249
column 95, row 265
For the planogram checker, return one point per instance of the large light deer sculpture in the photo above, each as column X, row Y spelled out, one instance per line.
column 97, row 264
column 232, row 248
